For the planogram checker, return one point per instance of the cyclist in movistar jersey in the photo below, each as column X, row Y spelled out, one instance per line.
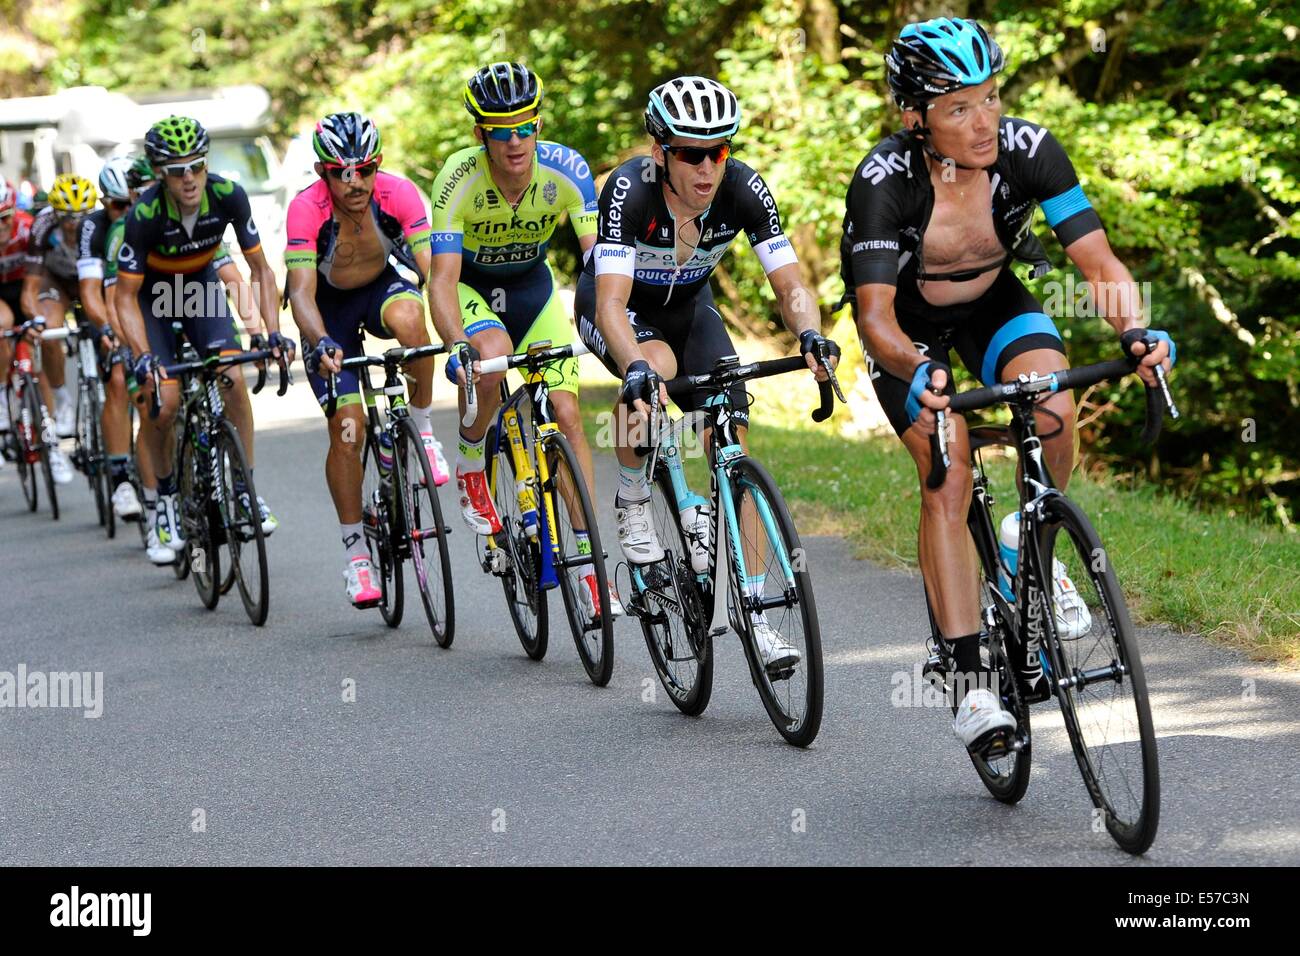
column 92, row 251
column 644, row 304
column 935, row 215
column 495, row 207
column 165, row 271
column 342, row 230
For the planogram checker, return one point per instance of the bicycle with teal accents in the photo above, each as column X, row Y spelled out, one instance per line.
column 681, row 604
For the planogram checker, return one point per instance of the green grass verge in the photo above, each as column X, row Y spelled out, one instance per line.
column 1198, row 571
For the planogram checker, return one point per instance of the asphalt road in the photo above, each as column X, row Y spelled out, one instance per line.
column 221, row 743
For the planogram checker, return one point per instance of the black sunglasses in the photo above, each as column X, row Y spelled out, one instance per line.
column 342, row 172
column 694, row 155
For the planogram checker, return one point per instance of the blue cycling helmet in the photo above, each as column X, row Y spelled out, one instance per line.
column 939, row 56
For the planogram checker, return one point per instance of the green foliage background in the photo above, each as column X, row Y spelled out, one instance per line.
column 1181, row 118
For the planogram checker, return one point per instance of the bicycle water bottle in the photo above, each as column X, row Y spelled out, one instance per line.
column 527, row 507
column 385, row 456
column 1008, row 552
column 698, row 528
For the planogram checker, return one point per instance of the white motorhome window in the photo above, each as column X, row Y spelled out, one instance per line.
column 240, row 160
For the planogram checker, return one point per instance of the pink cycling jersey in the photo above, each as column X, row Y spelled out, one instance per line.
column 395, row 205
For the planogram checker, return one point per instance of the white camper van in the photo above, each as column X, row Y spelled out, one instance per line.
column 76, row 130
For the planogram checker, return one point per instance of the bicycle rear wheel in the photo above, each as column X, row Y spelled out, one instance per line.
column 425, row 532
column 197, row 514
column 525, row 600
column 1094, row 662
column 672, row 609
column 780, row 589
column 570, row 498
column 241, row 519
column 378, row 514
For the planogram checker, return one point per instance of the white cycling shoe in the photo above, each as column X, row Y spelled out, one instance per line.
column 125, row 504
column 156, row 551
column 60, row 467
column 65, row 414
column 1073, row 619
column 636, row 532
column 979, row 717
column 773, row 650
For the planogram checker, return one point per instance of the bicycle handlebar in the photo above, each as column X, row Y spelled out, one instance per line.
column 724, row 377
column 501, row 363
column 1158, row 399
column 219, row 361
column 398, row 355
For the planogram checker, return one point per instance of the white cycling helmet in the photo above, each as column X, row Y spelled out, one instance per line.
column 693, row 106
column 113, row 178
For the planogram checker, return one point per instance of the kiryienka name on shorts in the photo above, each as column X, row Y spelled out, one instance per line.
column 74, row 690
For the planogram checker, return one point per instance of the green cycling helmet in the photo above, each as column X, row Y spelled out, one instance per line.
column 141, row 173
column 175, row 138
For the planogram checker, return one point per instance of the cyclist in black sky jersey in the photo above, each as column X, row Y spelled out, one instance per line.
column 936, row 214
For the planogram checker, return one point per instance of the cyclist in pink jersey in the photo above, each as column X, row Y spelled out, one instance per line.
column 343, row 233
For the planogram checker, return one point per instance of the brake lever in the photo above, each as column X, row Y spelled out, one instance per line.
column 331, row 390
column 155, row 405
column 823, row 359
column 285, row 377
column 471, row 399
column 1164, row 388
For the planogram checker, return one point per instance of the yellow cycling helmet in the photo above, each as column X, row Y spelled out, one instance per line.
column 72, row 193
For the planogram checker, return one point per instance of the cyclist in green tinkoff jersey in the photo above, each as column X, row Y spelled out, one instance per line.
column 342, row 231
column 935, row 214
column 495, row 207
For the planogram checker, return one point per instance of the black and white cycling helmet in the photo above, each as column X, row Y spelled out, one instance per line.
column 694, row 106
column 347, row 139
column 114, row 178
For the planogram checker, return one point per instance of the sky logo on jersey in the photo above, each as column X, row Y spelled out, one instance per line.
column 1022, row 137
column 884, row 164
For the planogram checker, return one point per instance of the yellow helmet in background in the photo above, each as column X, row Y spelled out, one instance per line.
column 72, row 193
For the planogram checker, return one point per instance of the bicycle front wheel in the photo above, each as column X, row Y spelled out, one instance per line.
column 571, row 501
column 525, row 598
column 777, row 592
column 1093, row 659
column 241, row 519
column 25, row 431
column 425, row 533
column 672, row 609
column 194, row 506
column 378, row 513
column 43, row 449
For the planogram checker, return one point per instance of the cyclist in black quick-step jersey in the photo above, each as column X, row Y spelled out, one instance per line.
column 936, row 212
column 643, row 302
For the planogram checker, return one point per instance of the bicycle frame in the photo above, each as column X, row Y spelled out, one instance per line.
column 725, row 451
column 522, row 444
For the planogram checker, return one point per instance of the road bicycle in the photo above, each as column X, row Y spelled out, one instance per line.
column 544, row 505
column 217, row 499
column 1092, row 664
column 400, row 509
column 760, row 574
column 32, row 432
column 88, row 454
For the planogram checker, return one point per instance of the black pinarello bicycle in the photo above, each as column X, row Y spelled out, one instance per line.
column 1090, row 662
column 400, row 511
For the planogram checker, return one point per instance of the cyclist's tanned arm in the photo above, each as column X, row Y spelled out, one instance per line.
column 612, row 293
column 444, row 303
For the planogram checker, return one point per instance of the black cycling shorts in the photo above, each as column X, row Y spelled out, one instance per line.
column 693, row 329
column 1006, row 321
